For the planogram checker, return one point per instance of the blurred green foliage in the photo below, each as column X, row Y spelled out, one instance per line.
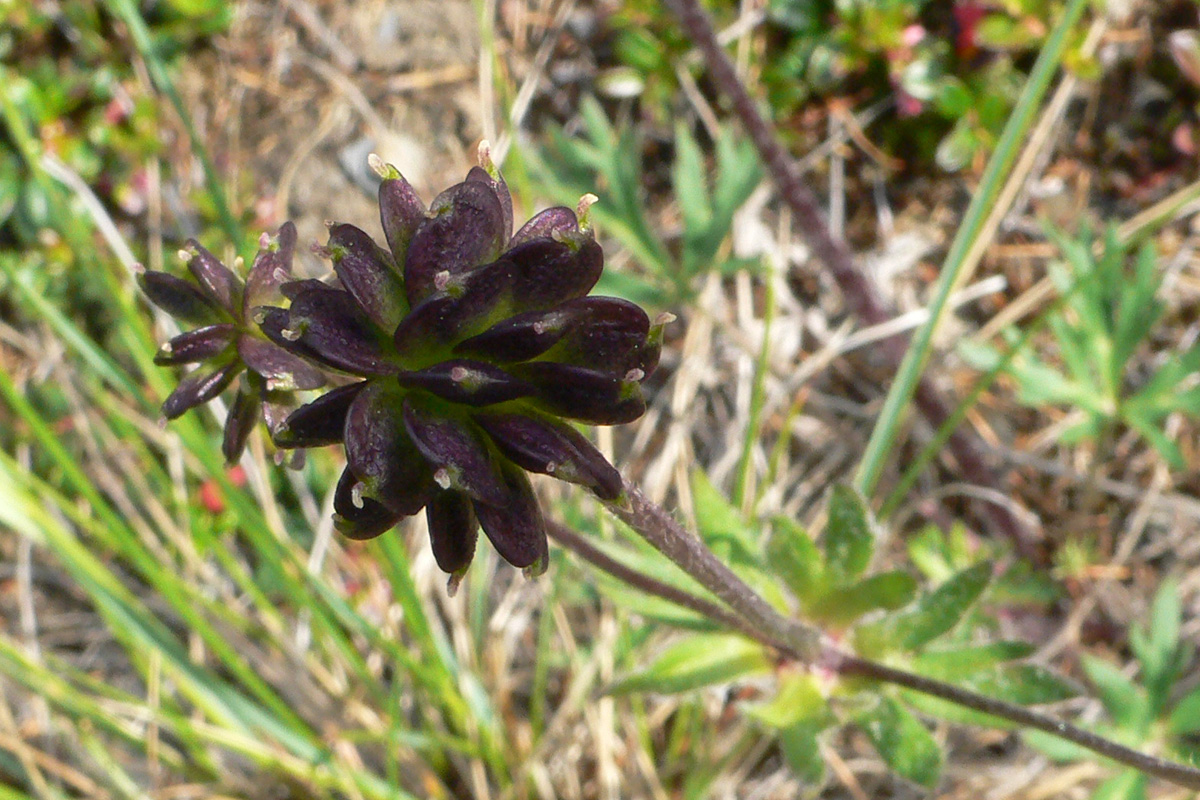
column 1101, row 334
column 952, row 71
column 931, row 619
column 608, row 160
column 1158, row 712
column 74, row 92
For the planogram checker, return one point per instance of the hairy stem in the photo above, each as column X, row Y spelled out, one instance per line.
column 761, row 622
column 860, row 294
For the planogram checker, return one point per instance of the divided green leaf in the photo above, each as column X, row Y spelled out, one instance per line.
column 902, row 741
column 849, row 534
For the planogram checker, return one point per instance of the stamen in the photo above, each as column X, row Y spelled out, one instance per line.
column 377, row 166
column 581, row 211
column 356, row 494
column 442, row 478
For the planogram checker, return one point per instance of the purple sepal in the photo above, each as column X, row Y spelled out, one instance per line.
column 293, row 289
column 243, row 414
column 281, row 367
column 484, row 295
column 401, row 212
column 545, row 224
column 453, row 530
column 197, row 345
column 548, row 272
column 473, row 383
column 579, row 393
column 500, row 187
column 519, row 338
column 464, row 230
column 459, row 457
column 356, row 516
column 515, row 527
column 272, row 266
column 607, row 334
column 547, row 446
column 367, row 272
column 321, row 422
column 327, row 326
column 382, row 455
column 215, row 279
column 200, row 386
column 180, row 299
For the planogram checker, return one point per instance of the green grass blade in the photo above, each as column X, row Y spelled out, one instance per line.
column 883, row 437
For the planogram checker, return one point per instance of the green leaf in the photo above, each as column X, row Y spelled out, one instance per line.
column 801, row 751
column 1057, row 750
column 738, row 175
column 958, row 147
column 902, row 741
column 799, row 699
column 1024, row 684
column 1185, row 717
column 952, row 712
column 1138, row 312
column 937, row 612
column 957, row 663
column 1129, row 785
column 844, row 604
column 696, row 662
column 720, row 525
column 691, row 189
column 849, row 536
column 1001, row 32
column 1152, row 431
column 1156, row 647
column 1125, row 701
column 10, row 183
column 953, row 98
column 795, row 558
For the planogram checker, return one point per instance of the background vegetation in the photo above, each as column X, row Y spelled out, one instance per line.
column 176, row 628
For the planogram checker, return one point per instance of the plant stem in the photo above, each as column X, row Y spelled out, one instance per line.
column 660, row 529
column 805, row 644
column 860, row 294
column 1179, row 774
column 580, row 546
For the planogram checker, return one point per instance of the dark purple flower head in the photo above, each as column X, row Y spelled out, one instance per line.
column 228, row 343
column 459, row 352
